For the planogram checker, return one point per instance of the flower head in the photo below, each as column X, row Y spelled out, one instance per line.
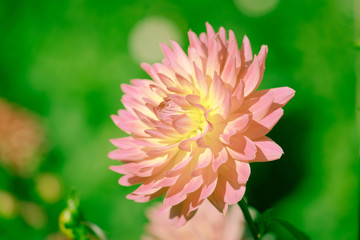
column 207, row 224
column 197, row 125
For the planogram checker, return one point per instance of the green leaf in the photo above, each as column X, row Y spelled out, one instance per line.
column 357, row 44
column 266, row 220
column 299, row 235
column 263, row 221
column 73, row 201
column 96, row 230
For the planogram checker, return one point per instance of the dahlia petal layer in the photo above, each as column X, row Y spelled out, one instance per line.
column 197, row 124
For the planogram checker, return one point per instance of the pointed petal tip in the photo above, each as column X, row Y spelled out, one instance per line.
column 116, row 168
column 245, row 38
column 284, row 95
column 291, row 92
column 268, row 150
column 112, row 155
column 164, row 45
column 173, row 42
column 144, row 64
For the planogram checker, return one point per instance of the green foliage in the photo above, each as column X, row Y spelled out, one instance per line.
column 65, row 61
column 73, row 225
column 357, row 44
column 267, row 221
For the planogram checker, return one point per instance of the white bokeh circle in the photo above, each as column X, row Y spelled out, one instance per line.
column 256, row 8
column 146, row 36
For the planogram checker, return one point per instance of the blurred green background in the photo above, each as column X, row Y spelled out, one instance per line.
column 65, row 60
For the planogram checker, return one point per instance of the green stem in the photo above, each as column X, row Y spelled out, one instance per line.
column 253, row 228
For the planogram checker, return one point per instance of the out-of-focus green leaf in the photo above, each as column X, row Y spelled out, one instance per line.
column 357, row 44
column 96, row 230
column 73, row 225
column 267, row 219
column 299, row 235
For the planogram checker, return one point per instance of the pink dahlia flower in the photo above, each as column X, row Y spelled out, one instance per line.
column 207, row 224
column 197, row 125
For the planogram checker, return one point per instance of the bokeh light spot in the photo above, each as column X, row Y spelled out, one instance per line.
column 146, row 36
column 8, row 205
column 33, row 215
column 48, row 187
column 256, row 8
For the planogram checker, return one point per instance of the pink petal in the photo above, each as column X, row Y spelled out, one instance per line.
column 233, row 50
column 183, row 161
column 268, row 150
column 145, row 197
column 210, row 181
column 259, row 107
column 185, row 146
column 125, row 142
column 218, row 195
column 261, row 128
column 182, row 124
column 246, row 52
column 229, row 72
column 233, row 194
column 178, row 99
column 177, row 192
column 262, row 56
column 195, row 101
column 195, row 44
column 235, row 172
column 220, row 159
column 156, row 133
column 173, row 198
column 252, row 77
column 167, row 52
column 128, row 180
column 129, row 123
column 194, row 200
column 167, row 81
column 281, row 95
column 204, row 39
column 222, row 35
column 238, row 125
column 242, row 148
column 202, row 142
column 118, row 169
column 212, row 65
column 210, row 31
column 204, row 160
column 184, row 82
column 194, row 184
column 166, row 182
column 200, row 80
column 237, row 97
column 175, row 67
column 146, row 189
column 151, row 71
column 225, row 108
column 217, row 90
column 131, row 103
column 243, row 172
column 181, row 57
column 133, row 154
column 180, row 214
column 165, row 70
column 159, row 151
